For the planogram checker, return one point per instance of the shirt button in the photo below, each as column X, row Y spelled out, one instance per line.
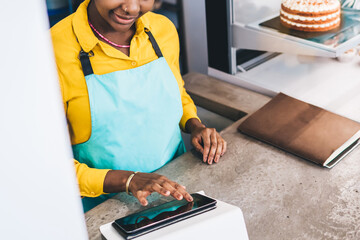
column 133, row 63
column 92, row 193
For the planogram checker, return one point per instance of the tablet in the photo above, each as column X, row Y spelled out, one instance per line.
column 148, row 220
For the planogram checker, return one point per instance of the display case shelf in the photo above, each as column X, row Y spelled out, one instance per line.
column 268, row 35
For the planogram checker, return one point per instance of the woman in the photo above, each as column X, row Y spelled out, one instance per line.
column 124, row 99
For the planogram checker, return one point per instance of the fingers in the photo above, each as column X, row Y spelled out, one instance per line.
column 218, row 152
column 214, row 145
column 146, row 183
column 141, row 196
column 207, row 144
column 224, row 148
column 177, row 191
column 196, row 142
column 159, row 189
column 181, row 189
column 221, row 148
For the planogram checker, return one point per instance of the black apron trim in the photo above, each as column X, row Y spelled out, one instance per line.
column 85, row 57
column 154, row 43
column 85, row 62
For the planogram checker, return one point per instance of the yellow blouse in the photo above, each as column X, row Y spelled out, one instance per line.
column 74, row 31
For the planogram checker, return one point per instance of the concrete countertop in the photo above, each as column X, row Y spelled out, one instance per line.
column 281, row 195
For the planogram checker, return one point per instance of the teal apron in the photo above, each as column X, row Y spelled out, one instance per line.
column 135, row 117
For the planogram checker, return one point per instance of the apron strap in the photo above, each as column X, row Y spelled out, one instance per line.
column 85, row 57
column 154, row 43
column 85, row 62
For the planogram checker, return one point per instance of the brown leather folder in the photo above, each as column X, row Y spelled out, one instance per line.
column 303, row 129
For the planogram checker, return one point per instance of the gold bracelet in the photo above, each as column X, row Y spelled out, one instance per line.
column 128, row 182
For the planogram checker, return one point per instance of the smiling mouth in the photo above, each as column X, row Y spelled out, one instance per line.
column 124, row 19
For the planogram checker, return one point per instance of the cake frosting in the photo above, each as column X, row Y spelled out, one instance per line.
column 310, row 15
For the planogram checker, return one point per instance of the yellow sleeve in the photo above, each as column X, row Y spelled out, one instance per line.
column 189, row 108
column 172, row 54
column 91, row 180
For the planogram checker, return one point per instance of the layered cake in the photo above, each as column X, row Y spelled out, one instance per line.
column 310, row 15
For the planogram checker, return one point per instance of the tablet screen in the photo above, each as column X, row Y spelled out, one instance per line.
column 163, row 212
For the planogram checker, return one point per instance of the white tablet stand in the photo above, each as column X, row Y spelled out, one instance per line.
column 224, row 222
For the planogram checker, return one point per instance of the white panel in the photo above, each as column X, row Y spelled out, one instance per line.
column 39, row 194
column 196, row 49
column 248, row 11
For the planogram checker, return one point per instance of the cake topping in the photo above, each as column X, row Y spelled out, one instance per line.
column 311, row 6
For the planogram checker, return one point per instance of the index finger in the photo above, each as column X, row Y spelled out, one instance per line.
column 180, row 189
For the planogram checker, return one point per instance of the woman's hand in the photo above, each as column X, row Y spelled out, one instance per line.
column 206, row 140
column 143, row 184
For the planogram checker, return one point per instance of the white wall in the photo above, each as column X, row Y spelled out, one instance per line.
column 39, row 194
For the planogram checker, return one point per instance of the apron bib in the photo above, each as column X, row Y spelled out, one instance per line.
column 135, row 117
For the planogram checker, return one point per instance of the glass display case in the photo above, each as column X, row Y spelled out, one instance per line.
column 249, row 48
column 262, row 30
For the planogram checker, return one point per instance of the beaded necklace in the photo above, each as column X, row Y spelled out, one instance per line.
column 107, row 40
